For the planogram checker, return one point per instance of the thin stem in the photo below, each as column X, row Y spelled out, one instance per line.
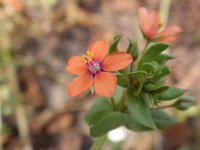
column 145, row 47
column 131, row 67
column 99, row 142
column 137, row 62
column 140, row 88
column 142, row 54
column 144, row 50
column 162, row 107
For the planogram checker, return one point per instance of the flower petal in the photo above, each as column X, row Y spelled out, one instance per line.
column 169, row 33
column 116, row 61
column 76, row 66
column 99, row 49
column 143, row 18
column 154, row 24
column 168, row 39
column 105, row 84
column 149, row 22
column 80, row 84
column 172, row 30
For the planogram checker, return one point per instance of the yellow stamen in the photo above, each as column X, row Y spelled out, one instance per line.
column 84, row 56
column 87, row 58
column 90, row 54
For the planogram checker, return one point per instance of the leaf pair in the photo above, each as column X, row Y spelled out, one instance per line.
column 142, row 113
column 102, row 117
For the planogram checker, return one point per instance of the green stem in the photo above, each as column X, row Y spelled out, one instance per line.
column 144, row 50
column 131, row 67
column 167, row 106
column 140, row 88
column 99, row 142
column 142, row 54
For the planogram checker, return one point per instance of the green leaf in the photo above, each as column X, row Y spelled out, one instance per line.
column 122, row 80
column 161, row 90
column 140, row 75
column 99, row 109
column 185, row 102
column 163, row 70
column 113, row 47
column 150, row 68
column 133, row 49
column 109, row 122
column 163, row 58
column 162, row 119
column 154, row 86
column 170, row 94
column 133, row 125
column 152, row 52
column 139, row 110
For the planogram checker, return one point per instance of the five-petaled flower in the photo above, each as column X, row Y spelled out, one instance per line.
column 150, row 24
column 95, row 69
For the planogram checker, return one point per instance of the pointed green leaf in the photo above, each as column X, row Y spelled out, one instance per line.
column 170, row 94
column 113, row 47
column 152, row 52
column 133, row 49
column 154, row 86
column 139, row 110
column 163, row 58
column 163, row 70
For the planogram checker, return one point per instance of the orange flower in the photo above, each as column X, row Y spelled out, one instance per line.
column 150, row 24
column 94, row 69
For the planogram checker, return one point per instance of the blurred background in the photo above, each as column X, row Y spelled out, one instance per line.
column 36, row 39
